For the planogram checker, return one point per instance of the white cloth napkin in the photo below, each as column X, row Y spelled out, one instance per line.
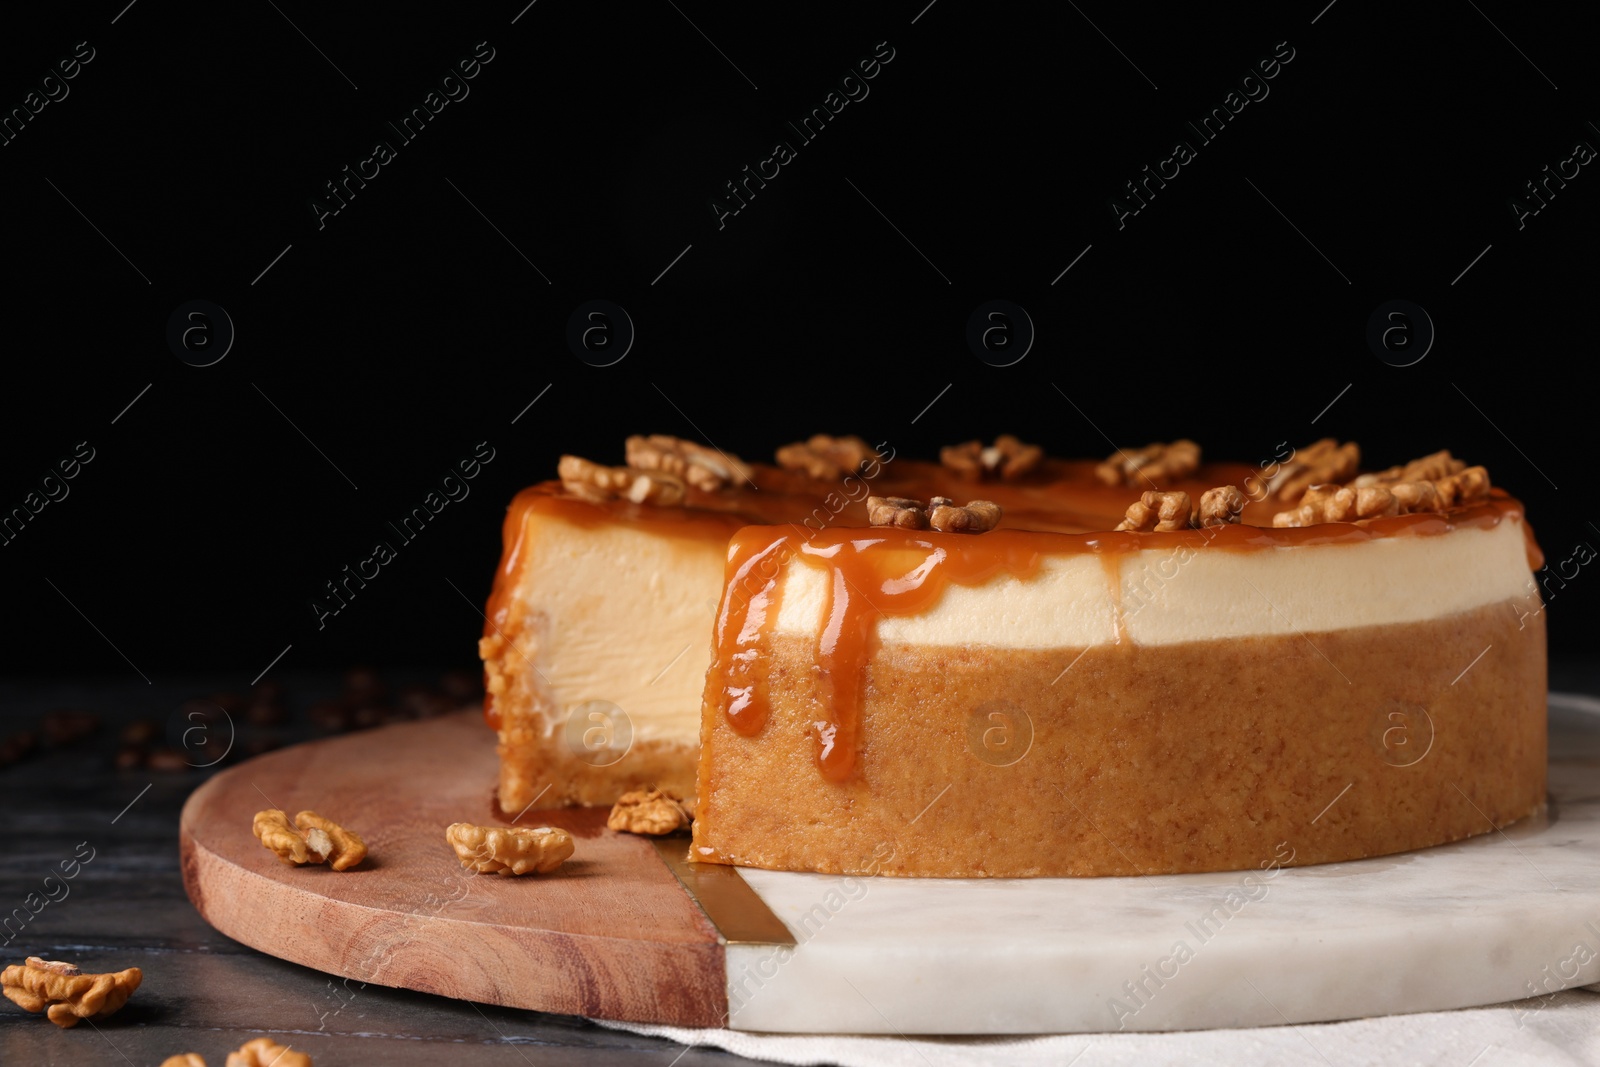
column 1560, row 1029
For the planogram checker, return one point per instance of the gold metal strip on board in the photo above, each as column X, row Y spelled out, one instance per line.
column 737, row 911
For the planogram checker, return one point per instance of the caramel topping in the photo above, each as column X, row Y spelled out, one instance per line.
column 746, row 617
column 887, row 572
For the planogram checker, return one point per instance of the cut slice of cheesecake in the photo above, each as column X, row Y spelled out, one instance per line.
column 595, row 650
column 597, row 632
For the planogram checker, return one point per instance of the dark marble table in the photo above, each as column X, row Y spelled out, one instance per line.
column 203, row 992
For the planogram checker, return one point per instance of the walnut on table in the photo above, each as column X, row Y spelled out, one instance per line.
column 509, row 850
column 344, row 848
column 939, row 513
column 312, row 839
column 824, row 457
column 704, row 468
column 1006, row 459
column 652, row 812
column 64, row 993
column 599, row 483
column 1155, row 462
column 265, row 1052
column 262, row 1052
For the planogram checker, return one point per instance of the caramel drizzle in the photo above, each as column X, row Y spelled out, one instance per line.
column 871, row 575
column 743, row 625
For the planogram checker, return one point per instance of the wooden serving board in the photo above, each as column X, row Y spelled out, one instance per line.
column 627, row 930
column 611, row 933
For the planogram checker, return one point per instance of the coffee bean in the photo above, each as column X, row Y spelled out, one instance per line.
column 64, row 726
column 17, row 747
column 367, row 716
column 423, row 702
column 330, row 716
column 263, row 712
column 269, row 691
column 200, row 711
column 362, row 685
column 140, row 732
column 169, row 759
column 462, row 686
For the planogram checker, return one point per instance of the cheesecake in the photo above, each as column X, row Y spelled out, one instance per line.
column 1008, row 665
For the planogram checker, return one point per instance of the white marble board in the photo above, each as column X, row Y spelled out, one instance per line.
column 1499, row 917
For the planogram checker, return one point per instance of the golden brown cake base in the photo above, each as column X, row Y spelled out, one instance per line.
column 1143, row 760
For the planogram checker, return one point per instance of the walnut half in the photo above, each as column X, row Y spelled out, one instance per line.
column 1319, row 463
column 262, row 1052
column 977, row 516
column 704, row 468
column 939, row 513
column 597, row 482
column 653, row 812
column 823, row 457
column 64, row 993
column 1221, row 506
column 1157, row 512
column 265, row 1052
column 1006, row 459
column 1469, row 486
column 898, row 511
column 1155, row 462
column 339, row 848
column 509, row 850
column 312, row 839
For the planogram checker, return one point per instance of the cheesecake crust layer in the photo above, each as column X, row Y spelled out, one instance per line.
column 1199, row 756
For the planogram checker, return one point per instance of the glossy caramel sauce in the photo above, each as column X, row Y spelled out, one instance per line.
column 872, row 573
column 875, row 572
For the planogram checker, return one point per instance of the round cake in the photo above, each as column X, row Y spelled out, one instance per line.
column 1006, row 665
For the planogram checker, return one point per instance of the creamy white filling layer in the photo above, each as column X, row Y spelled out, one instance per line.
column 620, row 615
column 1168, row 597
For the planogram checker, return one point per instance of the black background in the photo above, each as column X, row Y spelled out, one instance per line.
column 414, row 323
